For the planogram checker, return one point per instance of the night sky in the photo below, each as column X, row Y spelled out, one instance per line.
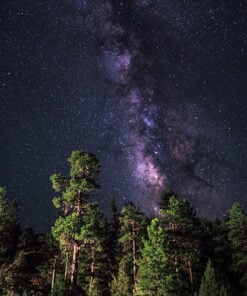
column 156, row 89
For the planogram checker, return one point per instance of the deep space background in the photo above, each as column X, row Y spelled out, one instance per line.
column 156, row 89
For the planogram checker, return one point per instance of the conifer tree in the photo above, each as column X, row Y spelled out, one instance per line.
column 182, row 228
column 211, row 283
column 163, row 204
column 113, row 237
column 221, row 251
column 14, row 277
column 95, row 288
column 9, row 227
column 72, row 203
column 60, row 288
column 93, row 259
column 122, row 283
column 237, row 236
column 153, row 278
column 131, row 229
column 27, row 239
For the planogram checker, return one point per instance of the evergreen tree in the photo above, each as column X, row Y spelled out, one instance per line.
column 9, row 227
column 120, row 256
column 27, row 239
column 93, row 259
column 211, row 284
column 60, row 288
column 95, row 288
column 122, row 284
column 225, row 290
column 131, row 230
column 72, row 203
column 153, row 277
column 182, row 231
column 163, row 204
column 14, row 277
column 51, row 268
column 237, row 236
column 113, row 236
column 221, row 251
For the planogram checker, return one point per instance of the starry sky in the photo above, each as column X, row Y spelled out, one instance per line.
column 155, row 88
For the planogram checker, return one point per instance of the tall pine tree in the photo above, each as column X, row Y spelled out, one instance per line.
column 72, row 203
column 153, row 277
column 113, row 237
column 237, row 236
column 9, row 227
column 122, row 283
column 131, row 228
column 181, row 228
column 93, row 259
column 211, row 283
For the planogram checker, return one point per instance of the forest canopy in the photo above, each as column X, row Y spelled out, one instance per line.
column 174, row 253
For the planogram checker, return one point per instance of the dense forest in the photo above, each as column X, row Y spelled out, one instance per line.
column 173, row 253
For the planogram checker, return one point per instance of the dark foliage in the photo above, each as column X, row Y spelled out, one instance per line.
column 176, row 253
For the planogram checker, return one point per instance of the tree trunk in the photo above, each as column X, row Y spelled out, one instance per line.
column 190, row 272
column 53, row 273
column 66, row 265
column 74, row 265
column 134, row 261
column 92, row 267
column 176, row 264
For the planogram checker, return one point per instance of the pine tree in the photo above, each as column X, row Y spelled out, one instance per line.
column 9, row 227
column 211, row 283
column 113, row 237
column 61, row 287
column 224, row 291
column 163, row 204
column 95, row 288
column 93, row 260
column 237, row 236
column 27, row 239
column 72, row 203
column 122, row 284
column 153, row 278
column 51, row 264
column 182, row 229
column 221, row 250
column 131, row 229
column 14, row 276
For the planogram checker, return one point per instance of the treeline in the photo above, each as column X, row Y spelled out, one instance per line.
column 175, row 253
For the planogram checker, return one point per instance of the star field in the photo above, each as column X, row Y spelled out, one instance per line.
column 156, row 89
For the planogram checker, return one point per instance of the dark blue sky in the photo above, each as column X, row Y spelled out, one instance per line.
column 156, row 89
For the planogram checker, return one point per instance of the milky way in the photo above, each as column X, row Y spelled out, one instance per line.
column 165, row 134
column 138, row 115
column 156, row 89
